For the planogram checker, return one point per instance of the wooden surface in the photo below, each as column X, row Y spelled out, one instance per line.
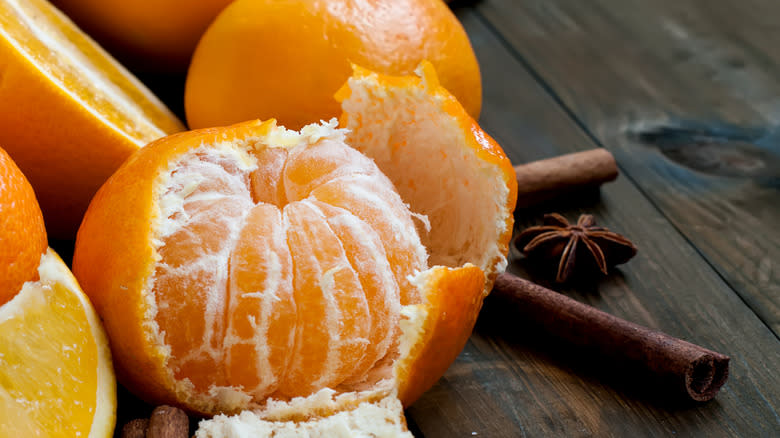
column 686, row 95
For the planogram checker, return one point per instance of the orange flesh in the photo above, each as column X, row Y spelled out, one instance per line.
column 295, row 261
column 62, row 336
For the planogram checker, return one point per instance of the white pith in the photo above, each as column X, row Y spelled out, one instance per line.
column 382, row 418
column 427, row 155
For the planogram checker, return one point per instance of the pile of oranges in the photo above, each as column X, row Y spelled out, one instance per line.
column 243, row 263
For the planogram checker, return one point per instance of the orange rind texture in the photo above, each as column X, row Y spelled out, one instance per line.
column 22, row 233
column 436, row 330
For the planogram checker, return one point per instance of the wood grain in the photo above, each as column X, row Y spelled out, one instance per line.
column 686, row 95
column 509, row 382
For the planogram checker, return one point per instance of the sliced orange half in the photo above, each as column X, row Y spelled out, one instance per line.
column 56, row 378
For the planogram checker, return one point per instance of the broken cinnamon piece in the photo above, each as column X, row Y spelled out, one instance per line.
column 135, row 428
column 546, row 179
column 679, row 366
column 168, row 422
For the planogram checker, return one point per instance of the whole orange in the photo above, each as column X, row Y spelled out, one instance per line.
column 22, row 235
column 286, row 59
column 151, row 34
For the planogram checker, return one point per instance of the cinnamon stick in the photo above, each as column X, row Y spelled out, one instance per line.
column 680, row 367
column 546, row 179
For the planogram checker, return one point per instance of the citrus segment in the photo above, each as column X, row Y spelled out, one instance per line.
column 369, row 260
column 369, row 199
column 332, row 329
column 69, row 113
column 55, row 367
column 22, row 234
column 261, row 303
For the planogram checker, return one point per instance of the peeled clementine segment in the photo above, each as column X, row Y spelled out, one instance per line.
column 261, row 236
column 69, row 113
column 251, row 266
column 56, row 378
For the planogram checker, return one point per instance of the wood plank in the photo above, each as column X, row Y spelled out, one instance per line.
column 685, row 94
column 509, row 382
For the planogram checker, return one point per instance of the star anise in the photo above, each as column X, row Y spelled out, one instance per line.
column 565, row 243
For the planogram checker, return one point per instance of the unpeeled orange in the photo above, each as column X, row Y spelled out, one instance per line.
column 250, row 263
column 286, row 59
column 69, row 113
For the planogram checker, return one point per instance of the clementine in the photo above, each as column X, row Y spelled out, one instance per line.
column 240, row 265
column 69, row 113
column 266, row 58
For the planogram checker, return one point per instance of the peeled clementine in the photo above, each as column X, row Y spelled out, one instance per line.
column 69, row 113
column 286, row 59
column 151, row 34
column 247, row 264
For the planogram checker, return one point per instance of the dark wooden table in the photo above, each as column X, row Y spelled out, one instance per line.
column 686, row 95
